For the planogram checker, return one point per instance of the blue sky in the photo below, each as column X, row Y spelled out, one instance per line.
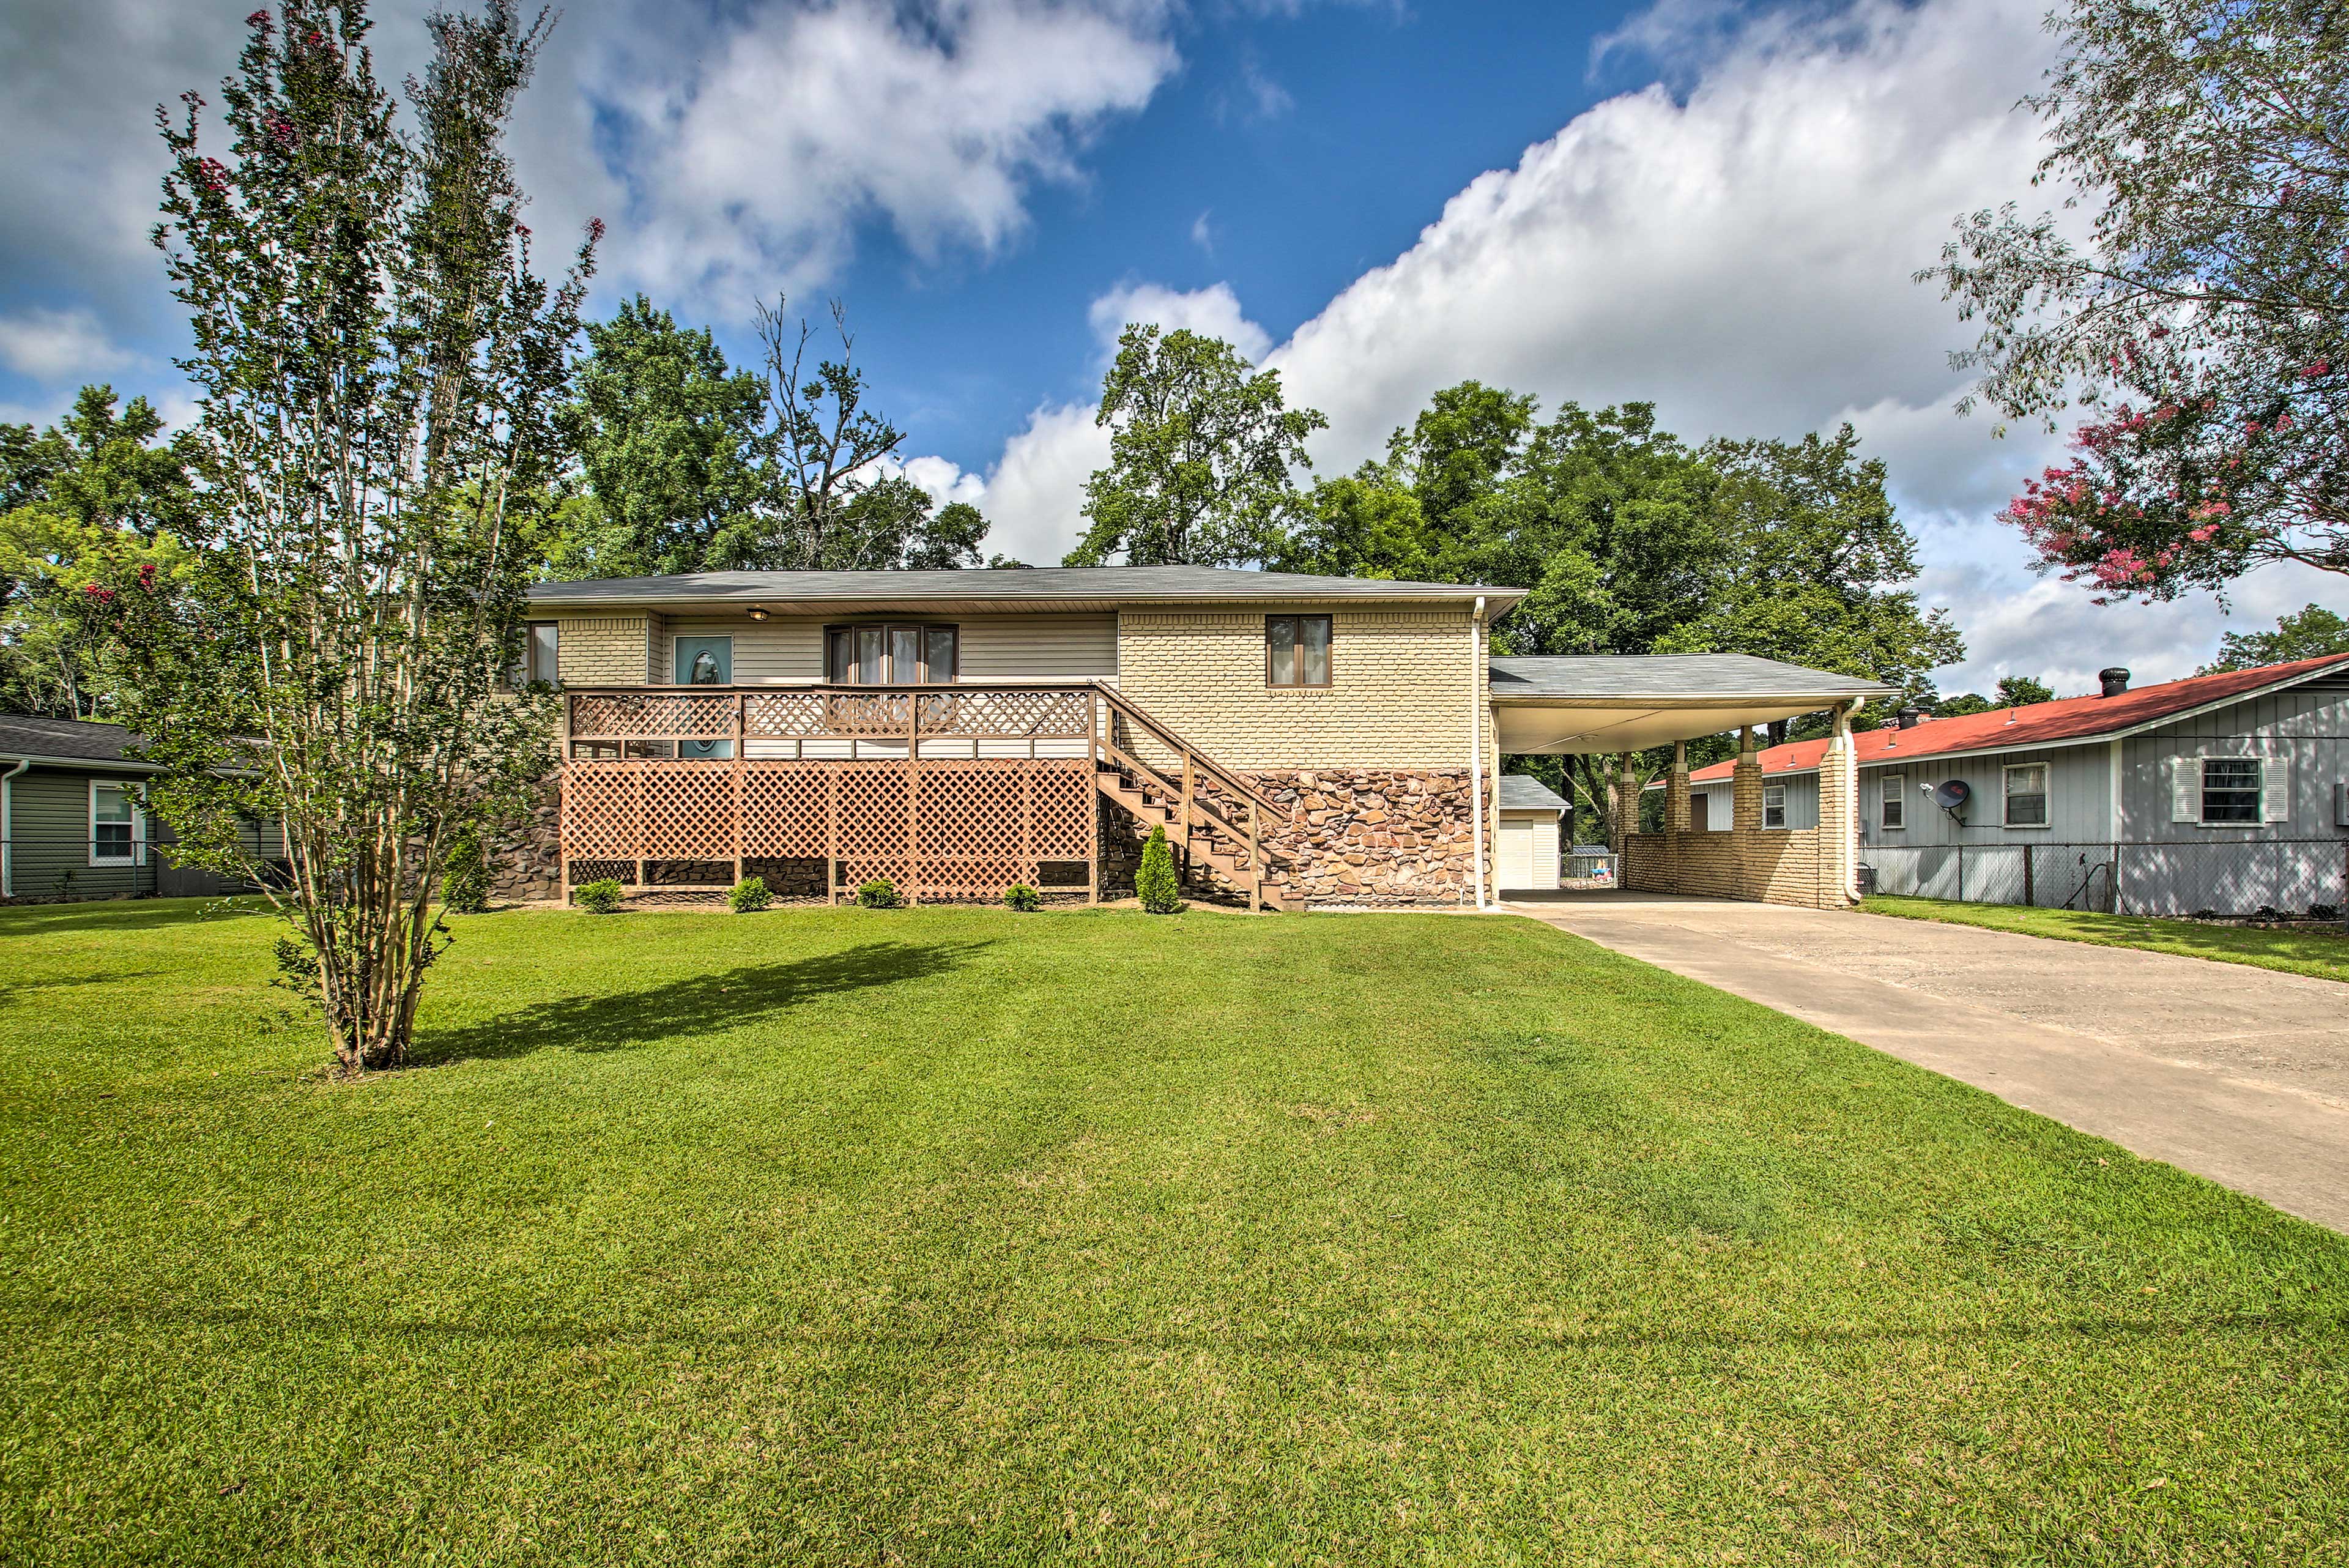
column 1711, row 206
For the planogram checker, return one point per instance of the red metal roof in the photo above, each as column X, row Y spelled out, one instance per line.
column 2039, row 724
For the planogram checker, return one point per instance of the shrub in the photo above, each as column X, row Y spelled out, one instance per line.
column 750, row 895
column 465, row 880
column 878, row 894
column 1155, row 884
column 598, row 897
column 2325, row 911
column 1021, row 897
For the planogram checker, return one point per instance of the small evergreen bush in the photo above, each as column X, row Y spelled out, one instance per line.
column 1155, row 884
column 878, row 894
column 465, row 878
column 598, row 897
column 1021, row 897
column 748, row 896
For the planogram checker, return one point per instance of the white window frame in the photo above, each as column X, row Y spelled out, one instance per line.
column 137, row 856
column 1779, row 806
column 2006, row 795
column 1892, row 803
column 2202, row 816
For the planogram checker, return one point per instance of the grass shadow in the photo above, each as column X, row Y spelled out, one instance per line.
column 125, row 914
column 700, row 1004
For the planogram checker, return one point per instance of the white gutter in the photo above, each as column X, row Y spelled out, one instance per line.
column 8, row 827
column 1476, row 740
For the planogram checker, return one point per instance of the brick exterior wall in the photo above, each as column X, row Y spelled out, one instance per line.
column 1812, row 869
column 1398, row 695
column 603, row 650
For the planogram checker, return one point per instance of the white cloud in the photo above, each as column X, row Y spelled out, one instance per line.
column 752, row 154
column 57, row 346
column 943, row 481
column 1213, row 312
column 1035, row 493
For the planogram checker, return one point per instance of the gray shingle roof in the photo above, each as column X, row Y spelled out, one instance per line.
column 1522, row 792
column 1014, row 587
column 22, row 737
column 1667, row 677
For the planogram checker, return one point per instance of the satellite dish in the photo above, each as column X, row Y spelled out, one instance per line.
column 1953, row 796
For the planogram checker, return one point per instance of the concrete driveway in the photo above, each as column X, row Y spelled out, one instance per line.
column 2241, row 1074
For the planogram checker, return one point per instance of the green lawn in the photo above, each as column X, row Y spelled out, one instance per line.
column 958, row 1236
column 2322, row 954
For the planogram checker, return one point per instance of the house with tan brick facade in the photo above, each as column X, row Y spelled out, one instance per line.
column 1303, row 741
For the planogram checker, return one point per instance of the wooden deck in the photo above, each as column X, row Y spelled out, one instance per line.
column 951, row 793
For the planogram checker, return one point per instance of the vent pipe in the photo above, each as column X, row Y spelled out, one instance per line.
column 1911, row 716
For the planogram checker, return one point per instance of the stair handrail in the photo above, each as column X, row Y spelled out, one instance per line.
column 1120, row 704
column 1259, row 857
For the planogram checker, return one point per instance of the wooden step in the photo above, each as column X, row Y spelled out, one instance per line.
column 1202, row 842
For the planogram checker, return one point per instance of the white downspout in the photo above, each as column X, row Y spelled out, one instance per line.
column 1476, row 740
column 8, row 828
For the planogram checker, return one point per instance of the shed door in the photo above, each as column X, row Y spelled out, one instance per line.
column 1518, row 839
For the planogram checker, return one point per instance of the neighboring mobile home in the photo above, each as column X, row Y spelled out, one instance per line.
column 2220, row 792
column 1301, row 739
column 73, row 822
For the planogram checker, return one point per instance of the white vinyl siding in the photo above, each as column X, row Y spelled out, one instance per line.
column 995, row 649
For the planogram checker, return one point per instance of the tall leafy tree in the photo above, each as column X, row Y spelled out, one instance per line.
column 1631, row 541
column 1201, row 450
column 668, row 441
column 380, row 372
column 101, row 482
column 2310, row 632
column 2202, row 318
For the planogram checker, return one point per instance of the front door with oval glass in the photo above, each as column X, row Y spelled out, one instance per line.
column 705, row 662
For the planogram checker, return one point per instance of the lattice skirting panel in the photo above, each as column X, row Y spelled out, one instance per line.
column 950, row 829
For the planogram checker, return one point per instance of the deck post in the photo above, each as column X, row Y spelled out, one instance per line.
column 912, row 799
column 1093, row 848
column 1256, row 865
column 741, row 733
column 1186, row 812
column 561, row 801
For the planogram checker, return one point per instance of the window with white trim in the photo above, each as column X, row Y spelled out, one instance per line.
column 2231, row 788
column 1894, row 803
column 113, row 824
column 539, row 661
column 1773, row 805
column 2027, row 794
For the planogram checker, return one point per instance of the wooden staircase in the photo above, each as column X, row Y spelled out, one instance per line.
column 1227, row 835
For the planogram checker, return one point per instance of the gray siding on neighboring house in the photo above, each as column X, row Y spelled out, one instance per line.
column 1802, row 801
column 48, row 840
column 1013, row 648
column 2180, row 867
column 2079, row 798
column 49, row 843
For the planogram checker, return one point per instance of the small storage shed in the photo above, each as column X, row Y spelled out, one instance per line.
column 1527, row 845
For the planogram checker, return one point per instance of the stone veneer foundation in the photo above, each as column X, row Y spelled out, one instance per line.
column 1373, row 835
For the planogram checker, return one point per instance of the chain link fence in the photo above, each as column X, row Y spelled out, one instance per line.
column 2235, row 879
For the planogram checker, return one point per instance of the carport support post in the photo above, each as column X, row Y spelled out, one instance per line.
column 1627, row 818
column 1676, row 793
column 1839, row 817
column 1746, row 811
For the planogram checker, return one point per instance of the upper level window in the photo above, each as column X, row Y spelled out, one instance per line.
column 2230, row 789
column 2027, row 794
column 891, row 654
column 705, row 662
column 539, row 660
column 113, row 824
column 1296, row 649
column 1773, row 805
column 1895, row 801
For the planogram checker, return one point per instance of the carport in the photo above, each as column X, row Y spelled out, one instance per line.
column 1582, row 705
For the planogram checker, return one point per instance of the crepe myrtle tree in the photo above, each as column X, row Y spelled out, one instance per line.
column 2198, row 304
column 378, row 368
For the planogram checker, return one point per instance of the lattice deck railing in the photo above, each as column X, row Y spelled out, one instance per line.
column 950, row 792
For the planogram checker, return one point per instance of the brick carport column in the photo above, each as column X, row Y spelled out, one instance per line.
column 1839, row 817
column 1746, row 813
column 1676, row 817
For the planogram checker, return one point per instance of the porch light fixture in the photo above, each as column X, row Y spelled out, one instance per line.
column 758, row 613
